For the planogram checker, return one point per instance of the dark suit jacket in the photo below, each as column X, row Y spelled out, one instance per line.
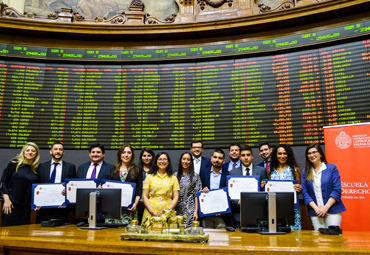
column 262, row 164
column 205, row 163
column 68, row 171
column 205, row 176
column 225, row 166
column 138, row 179
column 257, row 170
column 103, row 173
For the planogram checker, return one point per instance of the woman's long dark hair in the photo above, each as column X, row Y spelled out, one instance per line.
column 151, row 152
column 290, row 161
column 309, row 165
column 180, row 170
column 154, row 167
column 131, row 168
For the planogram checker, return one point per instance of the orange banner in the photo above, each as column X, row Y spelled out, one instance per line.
column 348, row 147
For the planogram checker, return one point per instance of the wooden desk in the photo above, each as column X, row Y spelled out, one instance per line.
column 33, row 239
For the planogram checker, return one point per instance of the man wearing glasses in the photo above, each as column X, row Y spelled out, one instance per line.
column 200, row 162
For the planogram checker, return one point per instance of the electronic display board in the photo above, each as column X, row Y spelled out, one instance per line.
column 206, row 51
column 280, row 98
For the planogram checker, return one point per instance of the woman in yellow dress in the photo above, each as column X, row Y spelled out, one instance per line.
column 161, row 187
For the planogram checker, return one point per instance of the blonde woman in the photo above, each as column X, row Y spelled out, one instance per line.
column 16, row 186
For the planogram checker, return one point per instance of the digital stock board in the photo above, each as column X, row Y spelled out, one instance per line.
column 164, row 53
column 280, row 97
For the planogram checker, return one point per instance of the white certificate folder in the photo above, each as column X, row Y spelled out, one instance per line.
column 47, row 195
column 127, row 188
column 214, row 202
column 239, row 183
column 283, row 186
column 73, row 184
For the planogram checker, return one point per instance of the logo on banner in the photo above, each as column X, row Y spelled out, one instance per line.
column 343, row 141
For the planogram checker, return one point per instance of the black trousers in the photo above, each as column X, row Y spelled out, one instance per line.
column 20, row 216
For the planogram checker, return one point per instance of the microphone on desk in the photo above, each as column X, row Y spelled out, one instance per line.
column 229, row 228
column 52, row 223
column 331, row 230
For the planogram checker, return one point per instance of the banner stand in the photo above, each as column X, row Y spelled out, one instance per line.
column 348, row 146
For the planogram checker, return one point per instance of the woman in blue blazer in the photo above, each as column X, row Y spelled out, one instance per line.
column 321, row 189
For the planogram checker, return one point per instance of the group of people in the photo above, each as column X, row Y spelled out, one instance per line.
column 159, row 187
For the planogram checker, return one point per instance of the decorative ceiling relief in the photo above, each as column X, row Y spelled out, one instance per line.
column 283, row 5
column 101, row 9
column 149, row 12
column 214, row 3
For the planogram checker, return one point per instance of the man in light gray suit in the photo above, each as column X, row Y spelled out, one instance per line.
column 246, row 168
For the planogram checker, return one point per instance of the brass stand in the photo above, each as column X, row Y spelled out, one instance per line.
column 165, row 237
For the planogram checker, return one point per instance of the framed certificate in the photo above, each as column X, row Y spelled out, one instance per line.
column 47, row 195
column 237, row 184
column 73, row 184
column 214, row 202
column 127, row 188
column 282, row 186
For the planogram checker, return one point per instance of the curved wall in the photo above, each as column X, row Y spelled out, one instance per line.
column 310, row 19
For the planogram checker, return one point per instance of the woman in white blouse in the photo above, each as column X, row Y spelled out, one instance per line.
column 321, row 189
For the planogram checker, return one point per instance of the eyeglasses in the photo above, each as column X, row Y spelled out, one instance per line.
column 197, row 148
column 162, row 160
column 312, row 153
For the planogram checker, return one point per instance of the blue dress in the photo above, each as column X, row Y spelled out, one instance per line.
column 288, row 175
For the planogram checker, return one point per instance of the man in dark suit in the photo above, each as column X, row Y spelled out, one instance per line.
column 234, row 154
column 265, row 151
column 55, row 170
column 200, row 162
column 96, row 168
column 214, row 177
column 247, row 168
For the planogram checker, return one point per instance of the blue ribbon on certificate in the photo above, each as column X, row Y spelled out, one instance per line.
column 128, row 191
column 281, row 186
column 214, row 202
column 73, row 184
column 47, row 195
column 240, row 183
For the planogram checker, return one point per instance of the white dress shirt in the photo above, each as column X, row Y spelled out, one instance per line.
column 197, row 163
column 91, row 168
column 245, row 170
column 317, row 185
column 58, row 175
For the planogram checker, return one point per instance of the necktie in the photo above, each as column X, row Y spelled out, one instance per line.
column 197, row 160
column 267, row 167
column 53, row 173
column 233, row 167
column 247, row 171
column 93, row 174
